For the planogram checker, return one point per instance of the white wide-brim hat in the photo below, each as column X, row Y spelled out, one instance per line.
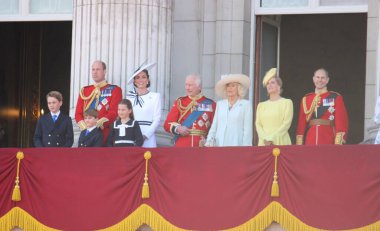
column 220, row 86
column 141, row 68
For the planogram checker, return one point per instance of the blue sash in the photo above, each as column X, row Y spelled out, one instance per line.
column 193, row 117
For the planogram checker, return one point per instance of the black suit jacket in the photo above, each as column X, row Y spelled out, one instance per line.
column 54, row 134
column 93, row 139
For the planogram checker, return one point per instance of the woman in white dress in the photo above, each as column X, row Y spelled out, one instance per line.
column 146, row 105
column 232, row 124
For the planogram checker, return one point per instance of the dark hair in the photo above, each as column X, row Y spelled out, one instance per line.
column 55, row 94
column 147, row 75
column 128, row 103
column 91, row 112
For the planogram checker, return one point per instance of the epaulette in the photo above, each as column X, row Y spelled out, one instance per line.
column 87, row 86
column 181, row 97
column 309, row 93
column 335, row 92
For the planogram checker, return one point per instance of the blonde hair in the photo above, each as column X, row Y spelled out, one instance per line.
column 242, row 91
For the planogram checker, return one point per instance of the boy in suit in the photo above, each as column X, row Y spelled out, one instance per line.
column 92, row 136
column 54, row 129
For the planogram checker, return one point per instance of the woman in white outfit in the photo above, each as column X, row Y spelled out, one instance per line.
column 146, row 105
column 232, row 124
column 377, row 119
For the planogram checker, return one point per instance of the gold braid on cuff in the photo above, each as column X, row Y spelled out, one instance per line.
column 100, row 122
column 339, row 138
column 299, row 139
column 82, row 125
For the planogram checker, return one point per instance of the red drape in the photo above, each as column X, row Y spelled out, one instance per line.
column 327, row 187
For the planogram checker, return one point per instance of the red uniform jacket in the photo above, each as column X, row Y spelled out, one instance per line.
column 322, row 119
column 181, row 110
column 105, row 100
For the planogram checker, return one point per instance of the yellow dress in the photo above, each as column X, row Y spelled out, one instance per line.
column 273, row 120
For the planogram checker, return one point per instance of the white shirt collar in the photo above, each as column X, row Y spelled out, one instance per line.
column 57, row 114
column 91, row 128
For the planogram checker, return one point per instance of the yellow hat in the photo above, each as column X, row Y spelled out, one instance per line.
column 270, row 74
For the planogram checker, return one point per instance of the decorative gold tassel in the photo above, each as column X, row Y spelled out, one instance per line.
column 16, row 195
column 145, row 189
column 275, row 192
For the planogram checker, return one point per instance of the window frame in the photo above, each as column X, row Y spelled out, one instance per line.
column 25, row 15
column 313, row 7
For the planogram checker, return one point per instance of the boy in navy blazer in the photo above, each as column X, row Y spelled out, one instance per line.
column 54, row 129
column 92, row 136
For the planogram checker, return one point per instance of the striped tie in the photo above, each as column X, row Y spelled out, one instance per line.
column 55, row 118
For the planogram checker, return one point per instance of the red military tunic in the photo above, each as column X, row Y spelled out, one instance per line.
column 105, row 99
column 322, row 119
column 181, row 110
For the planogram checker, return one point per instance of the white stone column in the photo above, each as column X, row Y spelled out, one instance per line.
column 372, row 87
column 233, row 36
column 123, row 34
column 210, row 37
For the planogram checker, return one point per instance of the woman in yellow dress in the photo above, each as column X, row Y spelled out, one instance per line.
column 274, row 116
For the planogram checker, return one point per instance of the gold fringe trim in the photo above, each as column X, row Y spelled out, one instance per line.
column 274, row 212
column 144, row 214
column 17, row 217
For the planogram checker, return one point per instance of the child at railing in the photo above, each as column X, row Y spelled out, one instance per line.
column 125, row 131
column 54, row 129
column 92, row 136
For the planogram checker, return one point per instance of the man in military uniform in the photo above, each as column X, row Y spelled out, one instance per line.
column 323, row 117
column 191, row 116
column 101, row 96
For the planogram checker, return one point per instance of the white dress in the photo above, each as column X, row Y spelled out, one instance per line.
column 377, row 119
column 147, row 111
column 231, row 126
